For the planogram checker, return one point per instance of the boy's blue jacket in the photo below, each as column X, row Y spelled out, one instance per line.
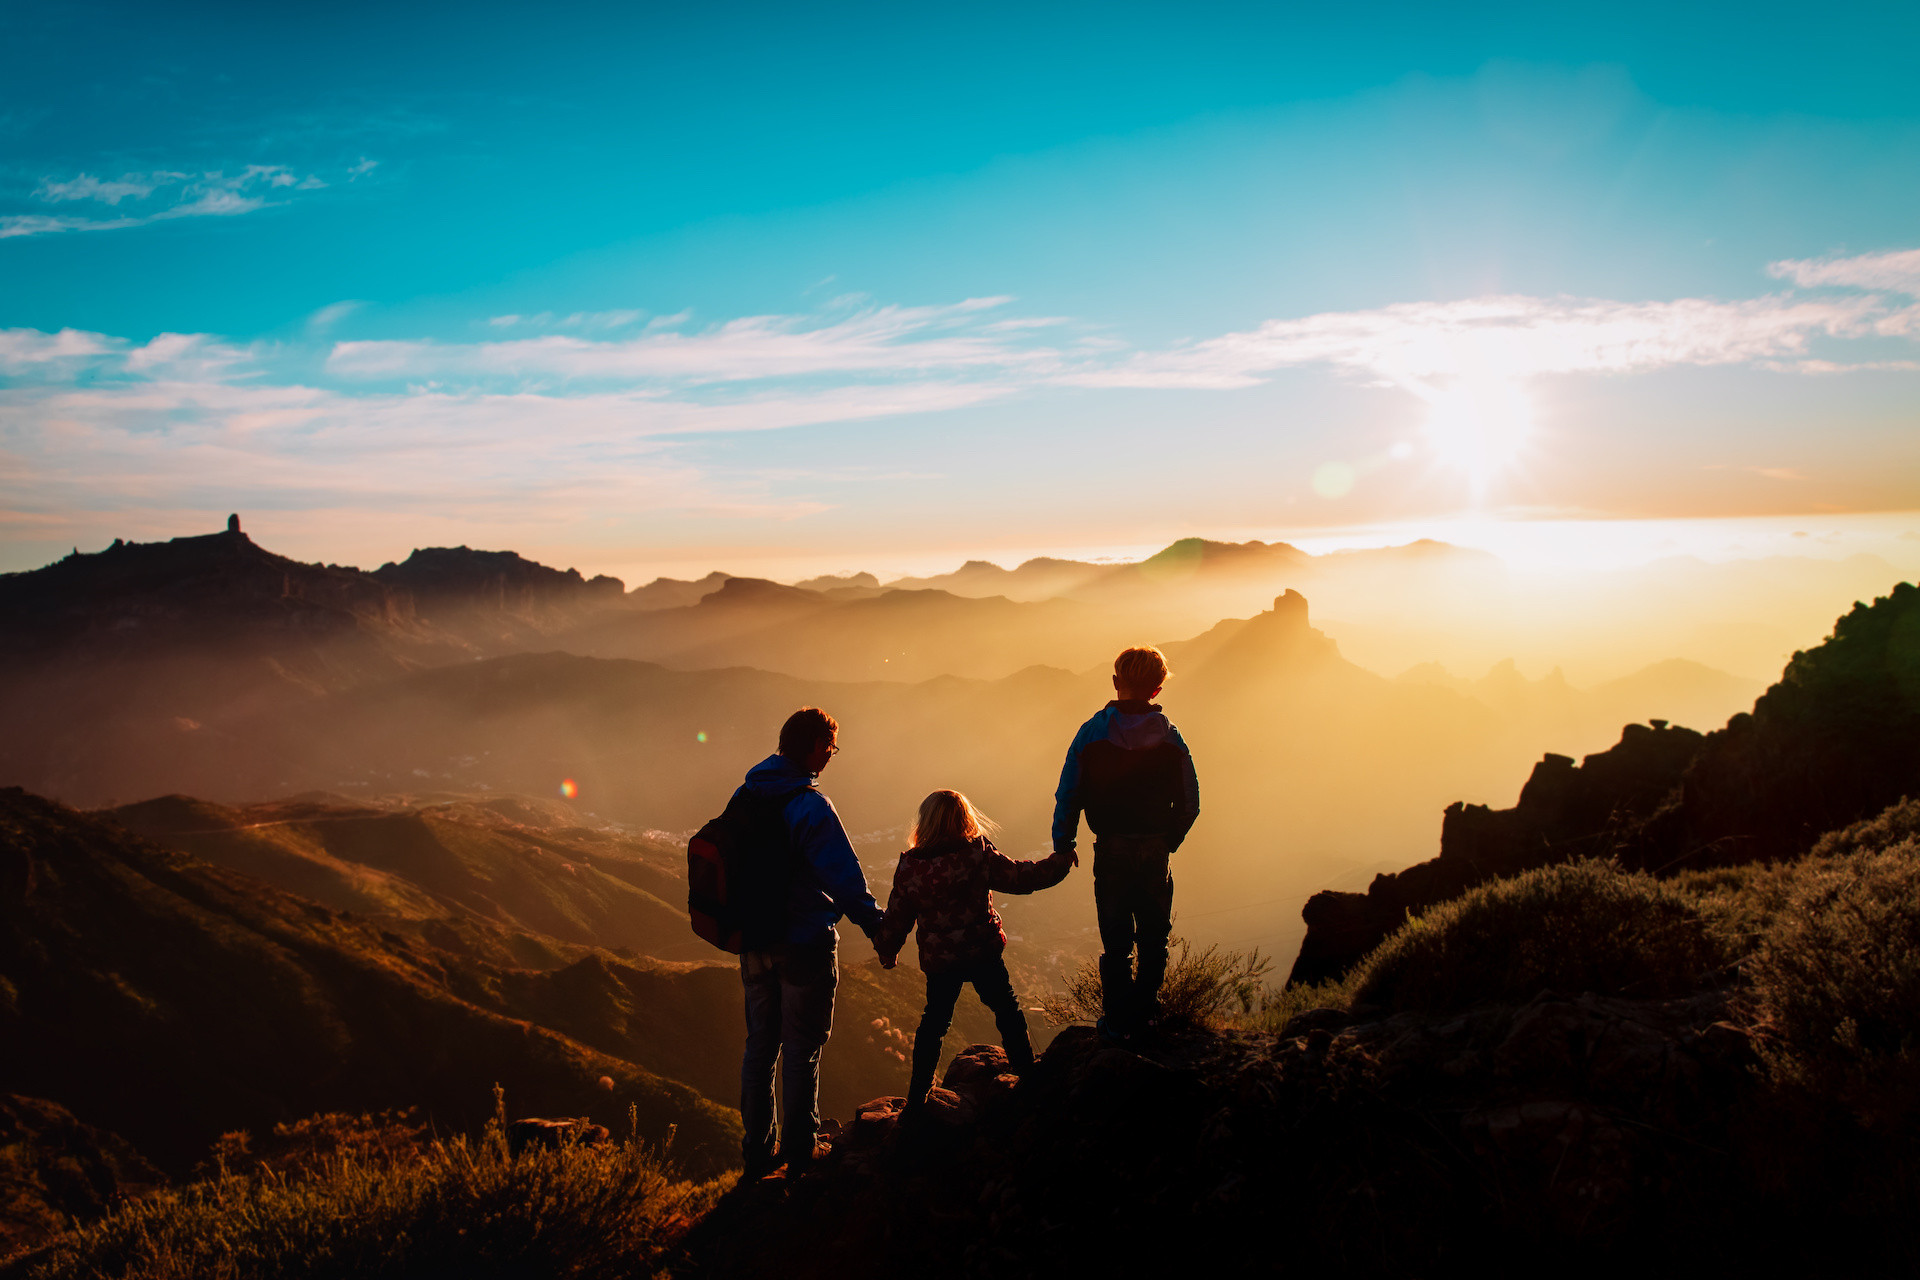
column 1131, row 771
column 831, row 883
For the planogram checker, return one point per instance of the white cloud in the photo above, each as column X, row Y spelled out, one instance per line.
column 24, row 350
column 186, row 356
column 166, row 441
column 87, row 187
column 543, row 420
column 37, row 224
column 331, row 314
column 1897, row 271
column 1505, row 337
column 879, row 340
column 188, row 195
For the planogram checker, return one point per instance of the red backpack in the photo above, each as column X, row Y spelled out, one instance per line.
column 740, row 871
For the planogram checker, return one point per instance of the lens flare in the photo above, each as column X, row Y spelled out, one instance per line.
column 1333, row 480
column 1478, row 426
column 569, row 788
column 700, row 736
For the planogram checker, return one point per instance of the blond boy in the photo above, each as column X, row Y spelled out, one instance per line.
column 1130, row 772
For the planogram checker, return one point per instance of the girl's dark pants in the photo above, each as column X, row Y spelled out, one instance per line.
column 995, row 989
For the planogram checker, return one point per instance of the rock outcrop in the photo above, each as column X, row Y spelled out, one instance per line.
column 1565, row 811
column 1408, row 1145
column 1836, row 739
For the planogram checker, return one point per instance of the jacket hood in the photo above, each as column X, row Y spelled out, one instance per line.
column 1137, row 726
column 776, row 774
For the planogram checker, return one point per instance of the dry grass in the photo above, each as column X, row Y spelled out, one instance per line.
column 376, row 1209
column 1208, row 987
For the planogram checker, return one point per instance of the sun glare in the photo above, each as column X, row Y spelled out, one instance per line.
column 1478, row 427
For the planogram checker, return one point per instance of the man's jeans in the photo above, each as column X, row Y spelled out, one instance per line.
column 1133, row 900
column 789, row 1016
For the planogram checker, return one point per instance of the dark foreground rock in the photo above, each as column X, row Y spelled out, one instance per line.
column 1579, row 1129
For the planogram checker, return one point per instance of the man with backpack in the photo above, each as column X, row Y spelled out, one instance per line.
column 788, row 960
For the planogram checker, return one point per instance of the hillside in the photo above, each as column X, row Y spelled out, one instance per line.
column 243, row 1006
column 518, row 911
column 568, row 883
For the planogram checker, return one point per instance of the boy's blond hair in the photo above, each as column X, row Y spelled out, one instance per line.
column 948, row 815
column 1142, row 669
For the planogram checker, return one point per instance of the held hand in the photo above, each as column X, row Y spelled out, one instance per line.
column 1073, row 856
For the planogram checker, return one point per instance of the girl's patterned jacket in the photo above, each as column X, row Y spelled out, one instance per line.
column 945, row 888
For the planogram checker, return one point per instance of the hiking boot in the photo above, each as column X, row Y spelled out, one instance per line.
column 800, row 1159
column 760, row 1167
column 1112, row 1033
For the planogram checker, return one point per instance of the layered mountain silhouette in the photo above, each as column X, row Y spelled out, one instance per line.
column 212, row 668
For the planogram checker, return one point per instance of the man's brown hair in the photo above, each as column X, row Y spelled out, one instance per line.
column 804, row 730
column 1141, row 670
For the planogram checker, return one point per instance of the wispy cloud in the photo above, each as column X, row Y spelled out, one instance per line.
column 214, row 194
column 1897, row 271
column 323, row 320
column 526, row 455
column 578, row 411
column 577, row 320
column 1507, row 337
column 31, row 351
column 880, row 339
column 87, row 187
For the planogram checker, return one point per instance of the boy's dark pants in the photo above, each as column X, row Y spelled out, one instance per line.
column 1133, row 899
column 995, row 989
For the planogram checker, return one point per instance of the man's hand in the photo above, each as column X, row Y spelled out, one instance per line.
column 1073, row 854
column 888, row 959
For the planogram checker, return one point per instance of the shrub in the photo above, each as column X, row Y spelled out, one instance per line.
column 465, row 1209
column 1575, row 927
column 1206, row 988
column 1836, row 976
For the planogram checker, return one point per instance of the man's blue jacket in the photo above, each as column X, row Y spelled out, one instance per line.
column 831, row 883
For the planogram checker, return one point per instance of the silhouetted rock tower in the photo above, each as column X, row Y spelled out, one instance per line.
column 233, row 524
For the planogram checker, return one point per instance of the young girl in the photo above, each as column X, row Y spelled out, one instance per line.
column 943, row 884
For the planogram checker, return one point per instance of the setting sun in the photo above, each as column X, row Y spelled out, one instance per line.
column 1478, row 427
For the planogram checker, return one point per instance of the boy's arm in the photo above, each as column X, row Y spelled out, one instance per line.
column 1008, row 876
column 822, row 841
column 1187, row 807
column 1066, row 796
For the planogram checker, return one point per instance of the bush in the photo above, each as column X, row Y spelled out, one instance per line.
column 1575, row 927
column 1836, row 977
column 1208, row 988
column 459, row 1209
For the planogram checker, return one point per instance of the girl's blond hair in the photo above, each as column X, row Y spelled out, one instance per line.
column 948, row 815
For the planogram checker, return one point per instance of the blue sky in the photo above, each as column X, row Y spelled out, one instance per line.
column 646, row 286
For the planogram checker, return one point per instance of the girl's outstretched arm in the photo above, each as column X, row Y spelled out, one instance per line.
column 1008, row 876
